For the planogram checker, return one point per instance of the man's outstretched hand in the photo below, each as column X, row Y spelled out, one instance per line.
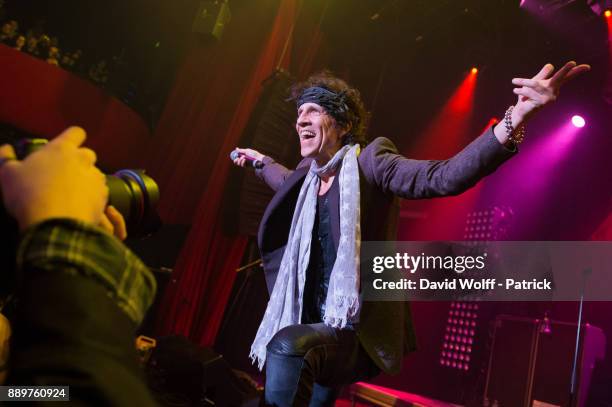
column 543, row 88
column 241, row 161
column 537, row 92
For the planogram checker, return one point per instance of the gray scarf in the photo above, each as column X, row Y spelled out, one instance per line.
column 342, row 302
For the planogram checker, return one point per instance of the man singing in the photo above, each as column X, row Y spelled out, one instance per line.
column 316, row 335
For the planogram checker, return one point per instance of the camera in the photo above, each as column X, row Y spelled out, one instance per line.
column 132, row 192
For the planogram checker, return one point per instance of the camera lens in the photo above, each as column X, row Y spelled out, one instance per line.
column 135, row 195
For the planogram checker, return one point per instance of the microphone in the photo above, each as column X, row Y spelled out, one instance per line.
column 255, row 163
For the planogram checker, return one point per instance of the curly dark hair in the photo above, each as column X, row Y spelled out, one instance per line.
column 357, row 116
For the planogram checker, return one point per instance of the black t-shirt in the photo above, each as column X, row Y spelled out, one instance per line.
column 322, row 259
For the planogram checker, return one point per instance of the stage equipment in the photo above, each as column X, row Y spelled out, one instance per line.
column 600, row 7
column 144, row 347
column 271, row 131
column 468, row 346
column 548, row 7
column 382, row 396
column 211, row 18
column 462, row 324
column 459, row 337
column 181, row 370
column 531, row 362
column 578, row 121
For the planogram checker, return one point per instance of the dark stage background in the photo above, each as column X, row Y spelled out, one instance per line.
column 408, row 58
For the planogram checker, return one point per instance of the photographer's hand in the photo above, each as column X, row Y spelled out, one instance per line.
column 58, row 181
column 112, row 221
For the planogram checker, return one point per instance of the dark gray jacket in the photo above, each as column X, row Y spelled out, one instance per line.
column 385, row 328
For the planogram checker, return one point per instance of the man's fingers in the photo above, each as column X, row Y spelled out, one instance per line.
column 89, row 156
column 74, row 136
column 575, row 71
column 247, row 154
column 244, row 151
column 117, row 221
column 544, row 72
column 106, row 224
column 112, row 221
column 561, row 73
column 532, row 83
column 528, row 92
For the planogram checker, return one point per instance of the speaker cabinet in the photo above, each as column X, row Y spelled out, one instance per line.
column 531, row 362
column 182, row 373
column 211, row 18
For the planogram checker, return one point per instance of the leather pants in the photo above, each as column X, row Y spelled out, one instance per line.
column 307, row 365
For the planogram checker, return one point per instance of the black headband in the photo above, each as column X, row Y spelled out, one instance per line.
column 333, row 103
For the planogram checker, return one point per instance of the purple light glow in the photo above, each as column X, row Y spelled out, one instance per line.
column 578, row 121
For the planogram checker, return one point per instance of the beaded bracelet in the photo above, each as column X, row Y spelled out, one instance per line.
column 515, row 135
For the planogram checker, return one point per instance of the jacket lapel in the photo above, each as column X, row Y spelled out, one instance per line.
column 276, row 223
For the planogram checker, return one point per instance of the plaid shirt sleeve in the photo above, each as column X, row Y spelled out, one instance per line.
column 79, row 248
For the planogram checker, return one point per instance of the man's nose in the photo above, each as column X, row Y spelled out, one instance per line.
column 302, row 120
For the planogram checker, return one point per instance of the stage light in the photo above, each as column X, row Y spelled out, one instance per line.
column 578, row 121
column 607, row 13
column 474, row 71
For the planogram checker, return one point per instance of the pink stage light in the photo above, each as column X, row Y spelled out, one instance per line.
column 578, row 121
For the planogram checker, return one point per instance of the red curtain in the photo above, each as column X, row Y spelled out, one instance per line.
column 214, row 94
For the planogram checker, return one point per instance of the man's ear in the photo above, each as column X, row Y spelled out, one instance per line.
column 346, row 128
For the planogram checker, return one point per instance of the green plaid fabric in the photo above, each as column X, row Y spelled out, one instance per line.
column 79, row 248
